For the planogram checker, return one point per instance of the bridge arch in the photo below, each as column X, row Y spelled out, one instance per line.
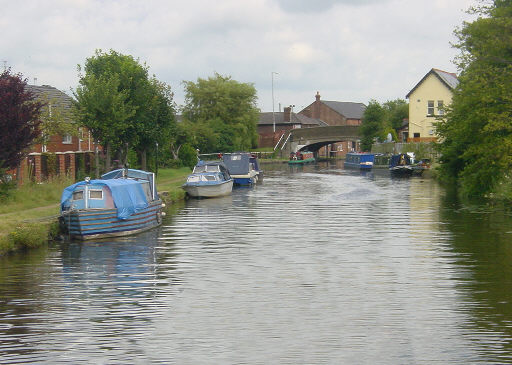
column 315, row 138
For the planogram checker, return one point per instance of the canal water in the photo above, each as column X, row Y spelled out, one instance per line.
column 318, row 265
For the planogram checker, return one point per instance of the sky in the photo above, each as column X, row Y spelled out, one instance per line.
column 347, row 50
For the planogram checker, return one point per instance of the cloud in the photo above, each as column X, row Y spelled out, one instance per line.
column 309, row 6
column 355, row 51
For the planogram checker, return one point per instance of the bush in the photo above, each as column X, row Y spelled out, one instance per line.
column 188, row 156
column 7, row 184
column 29, row 236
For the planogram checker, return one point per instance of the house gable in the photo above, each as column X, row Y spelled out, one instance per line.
column 427, row 100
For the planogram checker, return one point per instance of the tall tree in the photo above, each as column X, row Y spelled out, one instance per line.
column 372, row 126
column 476, row 148
column 225, row 106
column 112, row 100
column 158, row 124
column 396, row 111
column 20, row 119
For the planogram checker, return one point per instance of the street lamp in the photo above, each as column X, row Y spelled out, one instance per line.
column 273, row 115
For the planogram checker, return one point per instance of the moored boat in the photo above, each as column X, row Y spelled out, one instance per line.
column 122, row 202
column 420, row 166
column 243, row 168
column 400, row 165
column 209, row 179
column 360, row 160
column 301, row 157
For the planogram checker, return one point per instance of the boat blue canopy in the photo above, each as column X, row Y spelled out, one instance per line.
column 237, row 163
column 127, row 194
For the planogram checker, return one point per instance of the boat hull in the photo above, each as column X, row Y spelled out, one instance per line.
column 248, row 179
column 307, row 160
column 401, row 171
column 209, row 190
column 87, row 224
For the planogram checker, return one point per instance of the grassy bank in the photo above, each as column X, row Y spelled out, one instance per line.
column 29, row 216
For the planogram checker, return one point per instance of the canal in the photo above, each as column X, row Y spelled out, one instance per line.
column 318, row 265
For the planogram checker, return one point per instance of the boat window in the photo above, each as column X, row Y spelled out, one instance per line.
column 236, row 157
column 147, row 190
column 210, row 177
column 95, row 194
column 201, row 168
column 193, row 178
column 212, row 168
column 78, row 195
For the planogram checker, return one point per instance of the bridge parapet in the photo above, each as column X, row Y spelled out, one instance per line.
column 319, row 136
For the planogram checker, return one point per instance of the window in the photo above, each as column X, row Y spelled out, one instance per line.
column 66, row 139
column 430, row 108
column 416, row 135
column 440, row 107
column 95, row 194
column 78, row 195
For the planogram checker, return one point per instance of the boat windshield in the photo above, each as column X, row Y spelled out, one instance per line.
column 206, row 168
column 198, row 178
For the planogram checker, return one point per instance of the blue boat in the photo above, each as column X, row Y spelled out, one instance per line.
column 360, row 160
column 121, row 203
column 401, row 165
column 243, row 168
column 209, row 179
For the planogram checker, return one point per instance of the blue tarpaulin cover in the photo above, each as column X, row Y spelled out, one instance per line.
column 127, row 194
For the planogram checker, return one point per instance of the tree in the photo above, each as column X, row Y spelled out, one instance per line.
column 476, row 135
column 227, row 108
column 112, row 100
column 372, row 126
column 158, row 123
column 20, row 119
column 396, row 111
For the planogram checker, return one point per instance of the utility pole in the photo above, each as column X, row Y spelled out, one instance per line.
column 273, row 114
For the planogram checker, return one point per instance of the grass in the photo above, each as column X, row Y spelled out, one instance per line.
column 28, row 216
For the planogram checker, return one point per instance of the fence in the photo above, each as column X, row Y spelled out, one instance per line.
column 40, row 167
column 420, row 149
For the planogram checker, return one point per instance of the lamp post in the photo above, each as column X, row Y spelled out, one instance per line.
column 156, row 159
column 273, row 115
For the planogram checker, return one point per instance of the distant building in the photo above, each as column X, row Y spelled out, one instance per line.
column 60, row 102
column 427, row 100
column 336, row 113
column 71, row 154
column 271, row 126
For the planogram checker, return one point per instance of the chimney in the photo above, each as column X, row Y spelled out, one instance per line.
column 287, row 117
column 316, row 107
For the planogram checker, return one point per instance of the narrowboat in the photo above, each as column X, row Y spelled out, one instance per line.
column 209, row 179
column 301, row 157
column 121, row 203
column 401, row 165
column 360, row 160
column 243, row 168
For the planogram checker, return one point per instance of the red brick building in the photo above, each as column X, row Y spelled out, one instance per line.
column 336, row 113
column 57, row 154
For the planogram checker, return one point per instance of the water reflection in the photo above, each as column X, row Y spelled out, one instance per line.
column 480, row 242
column 317, row 265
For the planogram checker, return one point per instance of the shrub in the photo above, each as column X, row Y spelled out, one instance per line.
column 29, row 236
column 188, row 156
column 7, row 184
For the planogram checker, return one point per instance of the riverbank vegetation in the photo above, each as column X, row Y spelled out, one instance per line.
column 28, row 216
column 476, row 135
column 380, row 120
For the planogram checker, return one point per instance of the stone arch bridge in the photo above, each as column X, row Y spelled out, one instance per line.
column 312, row 139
